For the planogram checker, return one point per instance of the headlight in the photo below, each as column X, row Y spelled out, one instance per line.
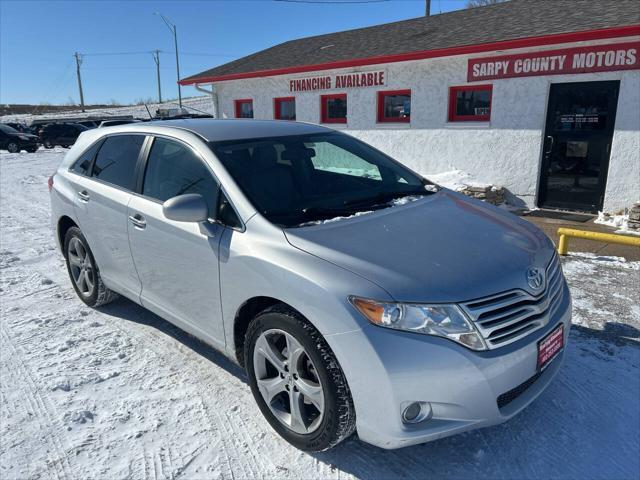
column 438, row 319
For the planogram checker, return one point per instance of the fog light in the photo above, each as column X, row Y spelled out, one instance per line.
column 416, row 412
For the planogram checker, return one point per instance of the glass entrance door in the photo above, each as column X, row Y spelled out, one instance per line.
column 577, row 144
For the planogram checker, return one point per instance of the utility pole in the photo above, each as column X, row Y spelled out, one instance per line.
column 78, row 63
column 427, row 8
column 172, row 29
column 156, row 58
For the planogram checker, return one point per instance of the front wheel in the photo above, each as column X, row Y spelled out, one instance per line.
column 297, row 381
column 83, row 270
column 47, row 144
column 13, row 147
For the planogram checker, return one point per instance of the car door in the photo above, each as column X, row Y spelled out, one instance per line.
column 102, row 196
column 3, row 139
column 177, row 262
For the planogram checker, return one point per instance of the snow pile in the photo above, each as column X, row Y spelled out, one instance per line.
column 464, row 183
column 620, row 222
column 455, row 180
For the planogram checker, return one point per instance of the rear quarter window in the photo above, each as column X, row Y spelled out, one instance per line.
column 116, row 160
column 82, row 166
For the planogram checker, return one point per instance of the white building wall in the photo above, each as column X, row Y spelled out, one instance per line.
column 507, row 150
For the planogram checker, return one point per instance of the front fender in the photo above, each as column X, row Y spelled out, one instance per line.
column 261, row 263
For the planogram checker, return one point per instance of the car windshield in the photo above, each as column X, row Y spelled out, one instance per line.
column 8, row 129
column 294, row 180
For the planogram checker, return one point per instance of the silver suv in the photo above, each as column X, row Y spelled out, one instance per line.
column 356, row 294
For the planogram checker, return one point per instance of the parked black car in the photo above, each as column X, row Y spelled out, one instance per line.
column 88, row 123
column 14, row 141
column 113, row 123
column 63, row 134
column 21, row 127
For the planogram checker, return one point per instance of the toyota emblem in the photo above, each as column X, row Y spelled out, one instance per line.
column 535, row 278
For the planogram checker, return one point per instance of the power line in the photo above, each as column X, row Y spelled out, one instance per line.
column 171, row 52
column 320, row 2
column 100, row 54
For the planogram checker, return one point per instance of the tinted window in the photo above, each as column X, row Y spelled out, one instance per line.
column 7, row 129
column 470, row 103
column 83, row 164
column 334, row 108
column 173, row 169
column 116, row 160
column 226, row 214
column 285, row 108
column 394, row 106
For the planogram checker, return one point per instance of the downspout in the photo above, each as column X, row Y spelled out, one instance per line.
column 214, row 97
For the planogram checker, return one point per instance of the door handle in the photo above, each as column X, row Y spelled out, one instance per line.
column 550, row 145
column 83, row 195
column 138, row 220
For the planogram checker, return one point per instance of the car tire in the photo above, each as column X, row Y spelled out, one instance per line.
column 313, row 366
column 83, row 270
column 47, row 144
column 13, row 147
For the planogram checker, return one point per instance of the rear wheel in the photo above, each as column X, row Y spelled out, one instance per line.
column 297, row 381
column 13, row 147
column 83, row 270
column 47, row 143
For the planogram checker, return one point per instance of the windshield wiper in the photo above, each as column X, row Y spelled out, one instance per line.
column 385, row 197
column 313, row 212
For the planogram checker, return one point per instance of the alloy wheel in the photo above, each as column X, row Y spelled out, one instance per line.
column 81, row 267
column 13, row 147
column 288, row 381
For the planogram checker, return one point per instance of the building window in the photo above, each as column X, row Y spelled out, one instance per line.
column 394, row 106
column 333, row 108
column 244, row 108
column 284, row 108
column 470, row 103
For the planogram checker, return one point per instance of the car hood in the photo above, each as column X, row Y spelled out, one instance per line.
column 28, row 135
column 441, row 248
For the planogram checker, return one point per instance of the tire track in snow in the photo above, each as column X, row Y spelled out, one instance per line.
column 40, row 405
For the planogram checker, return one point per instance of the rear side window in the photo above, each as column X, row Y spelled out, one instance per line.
column 83, row 164
column 173, row 169
column 116, row 160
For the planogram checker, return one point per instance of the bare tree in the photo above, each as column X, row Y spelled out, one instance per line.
column 482, row 3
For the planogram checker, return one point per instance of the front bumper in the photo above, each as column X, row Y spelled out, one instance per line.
column 386, row 369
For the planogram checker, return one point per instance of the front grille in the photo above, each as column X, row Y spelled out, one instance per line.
column 508, row 397
column 509, row 316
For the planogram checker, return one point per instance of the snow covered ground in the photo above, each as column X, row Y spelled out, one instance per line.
column 119, row 393
column 200, row 104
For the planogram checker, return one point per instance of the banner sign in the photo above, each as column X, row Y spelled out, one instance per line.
column 594, row 58
column 341, row 81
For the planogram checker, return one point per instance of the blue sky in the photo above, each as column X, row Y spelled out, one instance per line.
column 38, row 39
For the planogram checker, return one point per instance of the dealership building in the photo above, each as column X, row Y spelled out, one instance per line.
column 539, row 96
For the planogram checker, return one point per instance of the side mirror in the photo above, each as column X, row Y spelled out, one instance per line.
column 190, row 207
